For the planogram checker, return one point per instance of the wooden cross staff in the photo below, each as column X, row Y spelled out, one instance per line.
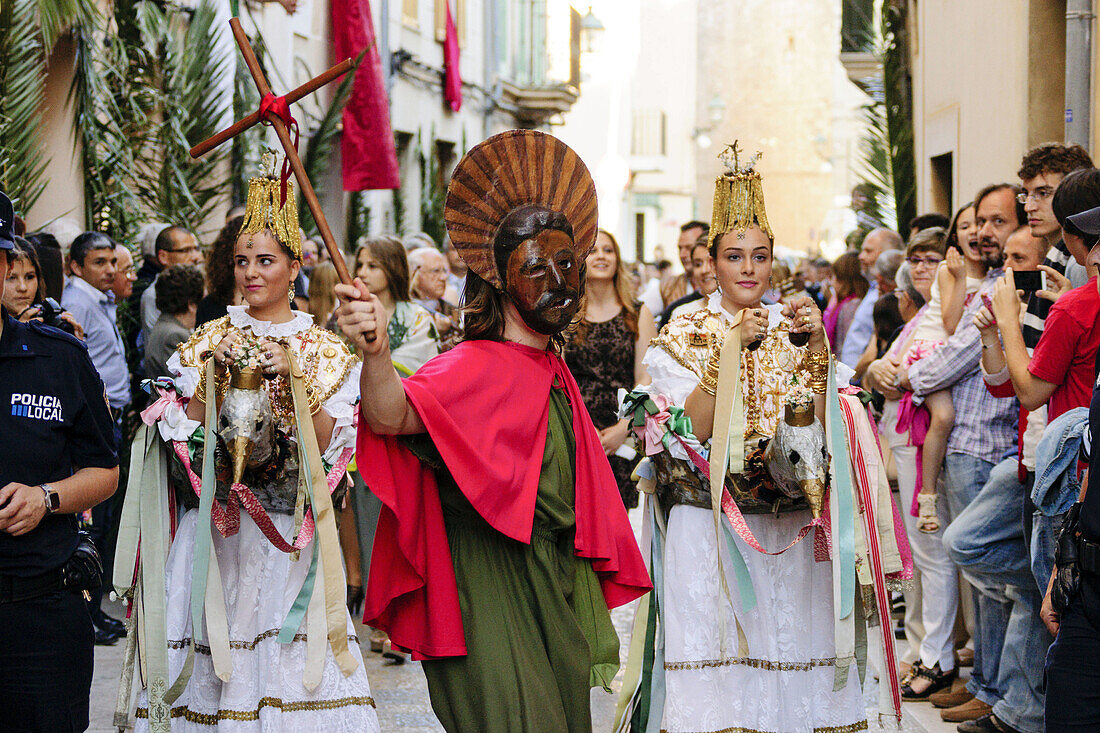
column 284, row 137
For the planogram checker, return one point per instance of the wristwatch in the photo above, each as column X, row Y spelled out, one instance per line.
column 52, row 498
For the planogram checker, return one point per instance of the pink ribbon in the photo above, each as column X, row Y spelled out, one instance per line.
column 914, row 419
column 155, row 411
column 654, row 429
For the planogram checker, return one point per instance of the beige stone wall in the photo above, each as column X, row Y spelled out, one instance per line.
column 988, row 83
column 775, row 63
column 64, row 194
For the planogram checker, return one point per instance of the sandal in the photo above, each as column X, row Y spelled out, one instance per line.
column 938, row 681
column 394, row 655
column 377, row 639
column 928, row 521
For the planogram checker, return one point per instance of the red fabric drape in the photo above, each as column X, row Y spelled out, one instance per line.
column 452, row 82
column 485, row 405
column 367, row 147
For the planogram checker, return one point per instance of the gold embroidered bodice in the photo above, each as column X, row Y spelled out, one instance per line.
column 323, row 357
column 766, row 372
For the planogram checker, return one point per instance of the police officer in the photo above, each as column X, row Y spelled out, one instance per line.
column 57, row 457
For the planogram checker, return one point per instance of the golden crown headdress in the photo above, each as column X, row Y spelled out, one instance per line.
column 738, row 196
column 265, row 207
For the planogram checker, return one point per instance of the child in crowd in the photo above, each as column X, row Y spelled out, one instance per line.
column 938, row 321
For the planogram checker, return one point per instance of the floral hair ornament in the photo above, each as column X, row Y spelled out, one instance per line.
column 738, row 197
column 272, row 208
column 509, row 170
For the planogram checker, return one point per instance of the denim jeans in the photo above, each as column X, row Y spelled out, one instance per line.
column 986, row 541
column 963, row 477
column 933, row 641
column 1044, row 539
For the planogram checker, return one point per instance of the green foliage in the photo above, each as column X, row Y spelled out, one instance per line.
column 873, row 201
column 358, row 223
column 192, row 106
column 145, row 90
column 28, row 31
column 248, row 146
column 897, row 87
column 321, row 146
column 22, row 88
column 54, row 17
column 432, row 194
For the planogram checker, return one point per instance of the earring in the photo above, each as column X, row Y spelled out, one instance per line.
column 290, row 293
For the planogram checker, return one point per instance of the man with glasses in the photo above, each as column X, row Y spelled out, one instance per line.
column 1041, row 172
column 985, row 428
column 428, row 283
column 175, row 246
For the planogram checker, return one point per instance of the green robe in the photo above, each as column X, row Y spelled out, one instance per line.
column 538, row 632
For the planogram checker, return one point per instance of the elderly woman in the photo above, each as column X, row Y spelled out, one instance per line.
column 933, row 668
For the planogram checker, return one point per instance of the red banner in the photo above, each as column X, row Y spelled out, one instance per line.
column 367, row 147
column 452, row 78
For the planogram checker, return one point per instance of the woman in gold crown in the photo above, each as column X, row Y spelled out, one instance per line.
column 745, row 640
column 275, row 649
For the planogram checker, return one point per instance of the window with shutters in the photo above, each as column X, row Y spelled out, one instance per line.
column 458, row 13
column 410, row 13
column 649, row 133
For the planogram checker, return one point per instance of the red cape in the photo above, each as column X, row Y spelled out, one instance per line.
column 485, row 405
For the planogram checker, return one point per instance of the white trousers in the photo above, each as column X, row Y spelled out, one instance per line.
column 939, row 594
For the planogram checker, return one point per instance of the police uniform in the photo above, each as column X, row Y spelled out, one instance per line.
column 54, row 420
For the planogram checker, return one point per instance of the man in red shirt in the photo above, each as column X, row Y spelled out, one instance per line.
column 1061, row 371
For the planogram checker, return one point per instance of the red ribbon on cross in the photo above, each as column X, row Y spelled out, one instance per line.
column 272, row 106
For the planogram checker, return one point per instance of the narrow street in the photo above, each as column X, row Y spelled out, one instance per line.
column 402, row 695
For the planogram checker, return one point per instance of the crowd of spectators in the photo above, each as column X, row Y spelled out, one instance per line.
column 975, row 335
column 977, row 338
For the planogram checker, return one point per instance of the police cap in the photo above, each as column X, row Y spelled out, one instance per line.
column 7, row 223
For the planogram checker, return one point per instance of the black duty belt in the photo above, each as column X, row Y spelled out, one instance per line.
column 14, row 588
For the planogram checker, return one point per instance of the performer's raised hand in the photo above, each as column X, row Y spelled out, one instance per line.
column 272, row 360
column 754, row 326
column 805, row 317
column 361, row 313
column 224, row 352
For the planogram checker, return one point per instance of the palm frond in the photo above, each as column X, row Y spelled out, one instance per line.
column 189, row 106
column 57, row 16
column 897, row 87
column 319, row 149
column 113, row 96
column 22, row 87
column 248, row 146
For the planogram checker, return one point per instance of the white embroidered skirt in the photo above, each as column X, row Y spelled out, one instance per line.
column 265, row 692
column 785, row 684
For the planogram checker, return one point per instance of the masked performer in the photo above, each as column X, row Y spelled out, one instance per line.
column 746, row 639
column 502, row 540
column 255, row 634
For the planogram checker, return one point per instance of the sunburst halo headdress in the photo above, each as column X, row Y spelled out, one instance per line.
column 738, row 196
column 512, row 169
column 265, row 207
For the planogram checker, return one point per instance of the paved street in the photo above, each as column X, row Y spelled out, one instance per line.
column 403, row 705
column 402, row 695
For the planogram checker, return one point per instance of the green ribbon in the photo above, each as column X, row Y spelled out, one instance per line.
column 639, row 405
column 195, row 443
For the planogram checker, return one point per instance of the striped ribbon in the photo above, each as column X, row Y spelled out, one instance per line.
column 860, row 434
column 227, row 519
